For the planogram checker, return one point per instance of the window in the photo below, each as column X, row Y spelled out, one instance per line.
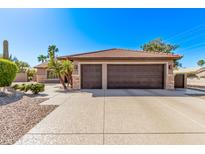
column 51, row 75
column 75, row 69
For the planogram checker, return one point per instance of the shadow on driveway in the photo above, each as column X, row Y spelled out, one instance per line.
column 142, row 92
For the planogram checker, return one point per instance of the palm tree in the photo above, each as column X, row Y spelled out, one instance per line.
column 52, row 50
column 42, row 58
column 57, row 68
column 201, row 62
column 56, row 65
column 68, row 70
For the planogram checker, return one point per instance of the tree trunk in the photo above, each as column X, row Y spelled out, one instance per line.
column 68, row 80
column 71, row 80
column 62, row 82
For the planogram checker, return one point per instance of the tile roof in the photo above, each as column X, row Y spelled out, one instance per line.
column 42, row 65
column 120, row 54
column 116, row 54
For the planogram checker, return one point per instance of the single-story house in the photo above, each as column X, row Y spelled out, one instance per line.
column 187, row 70
column 201, row 72
column 118, row 69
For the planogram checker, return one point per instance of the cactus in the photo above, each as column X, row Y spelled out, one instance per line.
column 5, row 49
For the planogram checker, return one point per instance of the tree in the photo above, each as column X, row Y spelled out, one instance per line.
column 68, row 70
column 55, row 64
column 22, row 66
column 57, row 68
column 42, row 58
column 158, row 45
column 30, row 73
column 52, row 50
column 201, row 62
column 8, row 72
column 11, row 58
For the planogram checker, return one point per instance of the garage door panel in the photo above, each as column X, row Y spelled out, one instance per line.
column 135, row 76
column 91, row 76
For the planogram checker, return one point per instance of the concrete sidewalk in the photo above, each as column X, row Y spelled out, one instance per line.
column 121, row 117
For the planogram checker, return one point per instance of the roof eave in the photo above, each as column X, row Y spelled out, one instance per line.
column 119, row 58
column 40, row 67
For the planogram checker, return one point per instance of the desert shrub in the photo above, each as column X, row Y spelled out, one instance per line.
column 192, row 75
column 35, row 88
column 15, row 87
column 22, row 87
column 27, row 87
column 30, row 73
column 202, row 77
column 8, row 72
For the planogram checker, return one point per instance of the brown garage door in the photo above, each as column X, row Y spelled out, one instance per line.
column 135, row 76
column 91, row 76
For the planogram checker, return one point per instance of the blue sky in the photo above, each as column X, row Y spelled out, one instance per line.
column 30, row 31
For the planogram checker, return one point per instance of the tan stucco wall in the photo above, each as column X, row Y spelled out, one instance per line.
column 41, row 75
column 21, row 77
column 168, row 73
column 201, row 74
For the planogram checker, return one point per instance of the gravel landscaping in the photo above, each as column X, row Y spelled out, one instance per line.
column 19, row 114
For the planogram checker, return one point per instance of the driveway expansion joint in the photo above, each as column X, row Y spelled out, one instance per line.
column 115, row 133
column 104, row 118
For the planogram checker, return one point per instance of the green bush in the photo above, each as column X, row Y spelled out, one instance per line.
column 16, row 86
column 30, row 73
column 8, row 72
column 34, row 88
column 27, row 87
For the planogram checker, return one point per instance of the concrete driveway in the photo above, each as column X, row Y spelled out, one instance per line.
column 121, row 117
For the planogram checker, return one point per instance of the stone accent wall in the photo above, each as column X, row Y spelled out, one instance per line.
column 76, row 81
column 170, row 77
column 170, row 82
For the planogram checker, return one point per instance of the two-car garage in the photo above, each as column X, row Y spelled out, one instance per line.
column 123, row 76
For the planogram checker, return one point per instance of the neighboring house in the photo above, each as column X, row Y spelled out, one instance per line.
column 118, row 69
column 187, row 70
column 191, row 76
column 197, row 72
column 201, row 72
column 45, row 75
